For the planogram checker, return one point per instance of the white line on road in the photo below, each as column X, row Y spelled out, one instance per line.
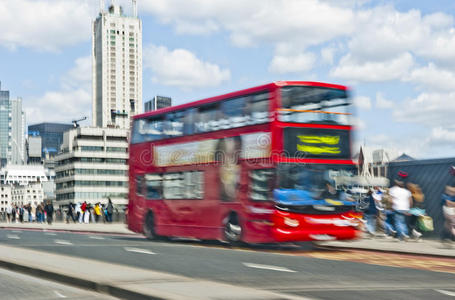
column 59, row 295
column 63, row 242
column 13, row 236
column 268, row 267
column 96, row 237
column 50, row 233
column 138, row 250
column 448, row 293
column 16, row 231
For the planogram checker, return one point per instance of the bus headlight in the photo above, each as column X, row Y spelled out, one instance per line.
column 291, row 222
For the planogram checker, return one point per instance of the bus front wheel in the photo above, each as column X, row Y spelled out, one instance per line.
column 233, row 230
column 149, row 227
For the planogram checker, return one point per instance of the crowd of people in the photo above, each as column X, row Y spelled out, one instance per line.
column 400, row 211
column 75, row 212
column 43, row 212
column 86, row 212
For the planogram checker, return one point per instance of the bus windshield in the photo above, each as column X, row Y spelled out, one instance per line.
column 317, row 181
column 301, row 104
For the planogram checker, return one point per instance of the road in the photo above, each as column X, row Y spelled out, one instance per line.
column 19, row 286
column 311, row 273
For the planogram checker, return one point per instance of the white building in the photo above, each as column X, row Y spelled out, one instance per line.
column 117, row 67
column 5, row 197
column 17, row 133
column 22, row 174
column 32, row 194
column 92, row 166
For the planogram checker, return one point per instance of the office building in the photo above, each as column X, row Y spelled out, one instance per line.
column 22, row 174
column 5, row 197
column 34, row 149
column 31, row 194
column 116, row 67
column 51, row 136
column 157, row 102
column 12, row 130
column 92, row 166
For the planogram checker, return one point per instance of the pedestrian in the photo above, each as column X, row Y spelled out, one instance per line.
column 21, row 214
column 110, row 210
column 97, row 212
column 371, row 213
column 9, row 212
column 417, row 209
column 29, row 210
column 87, row 213
column 401, row 203
column 78, row 211
column 33, row 213
column 70, row 214
column 49, row 209
column 83, row 209
column 448, row 210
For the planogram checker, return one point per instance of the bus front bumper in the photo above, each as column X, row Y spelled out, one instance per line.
column 292, row 227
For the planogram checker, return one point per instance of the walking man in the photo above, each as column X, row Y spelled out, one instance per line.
column 401, row 203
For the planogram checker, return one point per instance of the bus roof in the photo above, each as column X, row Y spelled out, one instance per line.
column 236, row 94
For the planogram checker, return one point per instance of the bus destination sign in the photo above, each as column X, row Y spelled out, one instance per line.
column 316, row 143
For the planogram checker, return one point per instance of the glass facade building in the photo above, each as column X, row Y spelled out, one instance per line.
column 51, row 136
column 5, row 127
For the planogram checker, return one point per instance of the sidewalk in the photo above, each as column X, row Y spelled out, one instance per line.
column 122, row 281
column 111, row 228
column 423, row 247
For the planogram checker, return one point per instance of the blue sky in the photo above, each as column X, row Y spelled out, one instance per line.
column 397, row 56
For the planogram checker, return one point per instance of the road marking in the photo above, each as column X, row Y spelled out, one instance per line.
column 59, row 295
column 13, row 236
column 50, row 233
column 96, row 237
column 268, row 267
column 138, row 250
column 63, row 242
column 16, row 231
column 448, row 293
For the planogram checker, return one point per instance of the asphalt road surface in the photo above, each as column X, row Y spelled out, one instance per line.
column 19, row 286
column 311, row 273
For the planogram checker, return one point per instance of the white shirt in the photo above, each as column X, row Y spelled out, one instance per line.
column 400, row 198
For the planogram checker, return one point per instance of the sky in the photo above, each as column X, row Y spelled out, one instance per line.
column 397, row 57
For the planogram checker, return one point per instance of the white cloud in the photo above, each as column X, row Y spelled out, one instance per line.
column 327, row 54
column 433, row 77
column 254, row 22
column 358, row 123
column 181, row 68
column 382, row 102
column 362, row 102
column 47, row 25
column 73, row 99
column 428, row 109
column 292, row 63
column 443, row 136
column 372, row 71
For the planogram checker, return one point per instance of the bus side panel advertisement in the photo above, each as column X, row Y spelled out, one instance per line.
column 247, row 146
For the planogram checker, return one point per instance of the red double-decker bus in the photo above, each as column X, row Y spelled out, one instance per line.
column 261, row 165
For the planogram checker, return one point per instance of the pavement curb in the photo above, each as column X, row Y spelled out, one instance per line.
column 78, row 282
column 70, row 230
column 385, row 251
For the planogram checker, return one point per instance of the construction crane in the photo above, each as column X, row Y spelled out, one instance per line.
column 76, row 122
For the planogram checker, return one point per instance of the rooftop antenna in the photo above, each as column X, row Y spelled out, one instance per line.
column 135, row 8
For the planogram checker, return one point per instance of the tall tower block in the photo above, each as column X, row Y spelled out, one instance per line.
column 116, row 67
